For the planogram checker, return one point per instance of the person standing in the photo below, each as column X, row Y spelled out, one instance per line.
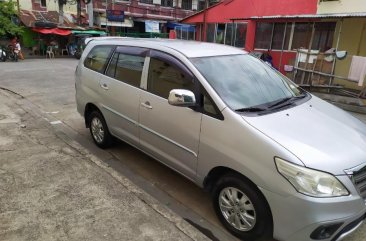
column 18, row 50
column 13, row 41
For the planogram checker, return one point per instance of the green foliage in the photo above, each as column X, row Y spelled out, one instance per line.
column 7, row 27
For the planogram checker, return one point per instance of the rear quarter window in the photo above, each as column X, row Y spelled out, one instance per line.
column 97, row 58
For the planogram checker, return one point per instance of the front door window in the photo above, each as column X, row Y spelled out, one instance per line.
column 163, row 77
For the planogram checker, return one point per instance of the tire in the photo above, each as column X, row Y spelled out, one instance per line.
column 99, row 130
column 254, row 208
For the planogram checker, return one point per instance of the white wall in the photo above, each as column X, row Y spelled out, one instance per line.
column 342, row 6
column 52, row 5
column 25, row 4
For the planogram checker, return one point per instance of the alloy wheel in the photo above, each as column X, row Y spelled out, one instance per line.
column 97, row 130
column 237, row 209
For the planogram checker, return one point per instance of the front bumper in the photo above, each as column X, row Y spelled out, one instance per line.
column 296, row 217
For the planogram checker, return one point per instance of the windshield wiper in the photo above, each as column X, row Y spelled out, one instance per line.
column 251, row 109
column 280, row 102
column 286, row 101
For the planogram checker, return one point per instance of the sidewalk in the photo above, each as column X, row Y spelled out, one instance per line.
column 52, row 189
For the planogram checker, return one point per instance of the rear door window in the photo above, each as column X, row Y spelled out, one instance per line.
column 97, row 58
column 126, row 68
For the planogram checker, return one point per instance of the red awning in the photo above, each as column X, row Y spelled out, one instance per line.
column 57, row 31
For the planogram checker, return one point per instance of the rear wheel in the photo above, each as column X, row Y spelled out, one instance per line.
column 99, row 130
column 242, row 209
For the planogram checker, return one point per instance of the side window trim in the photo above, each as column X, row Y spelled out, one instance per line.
column 145, row 73
column 131, row 50
column 109, row 62
column 108, row 58
column 171, row 60
column 204, row 93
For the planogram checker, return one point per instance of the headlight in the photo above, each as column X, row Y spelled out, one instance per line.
column 311, row 182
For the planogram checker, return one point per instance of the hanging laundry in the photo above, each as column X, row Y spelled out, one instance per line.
column 357, row 70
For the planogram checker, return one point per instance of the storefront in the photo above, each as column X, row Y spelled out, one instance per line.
column 230, row 23
column 284, row 29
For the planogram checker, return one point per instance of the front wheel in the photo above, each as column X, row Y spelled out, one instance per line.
column 242, row 208
column 99, row 130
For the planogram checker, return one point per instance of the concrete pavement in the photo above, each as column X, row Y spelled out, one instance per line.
column 53, row 189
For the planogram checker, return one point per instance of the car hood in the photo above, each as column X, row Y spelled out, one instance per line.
column 321, row 135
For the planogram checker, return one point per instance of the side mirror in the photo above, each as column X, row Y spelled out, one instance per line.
column 184, row 98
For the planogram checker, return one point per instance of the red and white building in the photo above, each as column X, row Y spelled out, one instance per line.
column 243, row 23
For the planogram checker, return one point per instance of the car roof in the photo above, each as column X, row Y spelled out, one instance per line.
column 190, row 49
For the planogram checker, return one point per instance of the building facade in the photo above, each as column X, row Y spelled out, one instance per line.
column 44, row 22
column 285, row 27
column 135, row 12
column 352, row 34
column 230, row 22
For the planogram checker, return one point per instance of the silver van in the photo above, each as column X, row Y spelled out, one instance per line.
column 278, row 161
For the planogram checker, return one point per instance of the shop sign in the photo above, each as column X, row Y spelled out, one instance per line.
column 152, row 26
column 115, row 15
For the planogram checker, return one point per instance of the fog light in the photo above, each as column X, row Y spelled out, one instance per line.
column 325, row 231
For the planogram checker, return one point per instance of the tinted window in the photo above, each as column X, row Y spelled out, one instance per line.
column 97, row 58
column 126, row 68
column 208, row 106
column 163, row 77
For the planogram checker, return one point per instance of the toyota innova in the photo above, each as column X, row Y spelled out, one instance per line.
column 278, row 161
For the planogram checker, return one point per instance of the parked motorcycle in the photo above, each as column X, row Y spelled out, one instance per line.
column 80, row 44
column 3, row 56
column 11, row 54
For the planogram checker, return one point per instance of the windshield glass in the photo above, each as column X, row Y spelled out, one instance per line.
column 244, row 81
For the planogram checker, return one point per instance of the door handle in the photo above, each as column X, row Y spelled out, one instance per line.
column 146, row 105
column 103, row 85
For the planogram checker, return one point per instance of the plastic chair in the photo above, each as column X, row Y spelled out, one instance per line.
column 49, row 52
column 66, row 49
column 35, row 50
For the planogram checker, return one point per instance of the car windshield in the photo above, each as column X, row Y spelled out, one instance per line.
column 245, row 82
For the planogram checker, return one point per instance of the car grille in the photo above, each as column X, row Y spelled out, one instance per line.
column 359, row 179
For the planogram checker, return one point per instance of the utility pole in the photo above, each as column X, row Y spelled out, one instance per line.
column 90, row 14
column 78, row 10
column 61, row 12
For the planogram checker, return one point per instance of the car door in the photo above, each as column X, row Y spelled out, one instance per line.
column 167, row 132
column 121, row 92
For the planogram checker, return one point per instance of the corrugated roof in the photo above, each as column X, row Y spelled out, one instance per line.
column 306, row 16
column 29, row 17
column 202, row 11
